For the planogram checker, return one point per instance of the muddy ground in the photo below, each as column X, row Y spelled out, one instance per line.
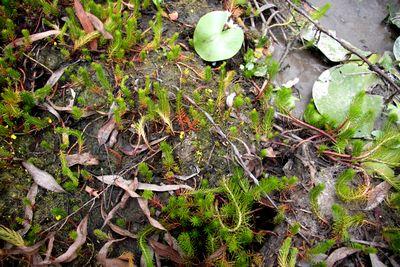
column 199, row 150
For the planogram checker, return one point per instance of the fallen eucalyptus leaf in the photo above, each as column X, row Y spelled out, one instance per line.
column 166, row 252
column 375, row 262
column 119, row 230
column 26, row 250
column 31, row 196
column 135, row 150
column 122, row 203
column 43, row 178
column 377, row 195
column 92, row 192
column 105, row 131
column 96, row 22
column 212, row 42
column 113, row 138
column 33, row 37
column 71, row 253
column 85, row 159
column 104, row 261
column 111, row 179
column 143, row 203
column 56, row 76
column 85, row 21
column 339, row 254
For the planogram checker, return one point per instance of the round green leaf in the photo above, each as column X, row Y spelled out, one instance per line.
column 396, row 49
column 336, row 88
column 212, row 42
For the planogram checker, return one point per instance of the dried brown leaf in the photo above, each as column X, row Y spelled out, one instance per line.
column 377, row 195
column 104, row 261
column 135, row 150
column 33, row 37
column 173, row 15
column 115, row 228
column 92, row 192
column 163, row 188
column 86, row 159
column 121, row 204
column 85, row 21
column 31, row 196
column 43, row 178
column 71, row 253
column 113, row 138
column 218, row 254
column 166, row 252
column 105, row 131
column 143, row 203
column 121, row 182
column 172, row 242
column 56, row 76
column 339, row 254
column 52, row 111
column 49, row 248
column 26, row 250
column 98, row 25
column 127, row 256
column 375, row 262
column 128, row 186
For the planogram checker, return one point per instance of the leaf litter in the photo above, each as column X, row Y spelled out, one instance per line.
column 42, row 178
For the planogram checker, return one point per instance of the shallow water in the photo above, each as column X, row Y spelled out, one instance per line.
column 360, row 22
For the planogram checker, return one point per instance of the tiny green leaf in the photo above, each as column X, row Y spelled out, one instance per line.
column 214, row 43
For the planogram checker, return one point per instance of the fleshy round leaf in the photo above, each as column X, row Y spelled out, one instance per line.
column 396, row 49
column 336, row 88
column 212, row 42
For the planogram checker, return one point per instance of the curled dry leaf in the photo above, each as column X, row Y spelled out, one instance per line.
column 115, row 228
column 339, row 254
column 56, row 76
column 104, row 261
column 52, row 111
column 31, row 196
column 104, row 132
column 85, row 21
column 375, row 262
column 166, row 252
column 71, row 253
column 173, row 15
column 43, row 178
column 26, row 250
column 377, row 195
column 86, row 159
column 113, row 138
column 92, row 192
column 135, row 150
column 143, row 203
column 218, row 254
column 128, row 186
column 122, row 203
column 229, row 99
column 163, row 188
column 96, row 22
column 34, row 37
